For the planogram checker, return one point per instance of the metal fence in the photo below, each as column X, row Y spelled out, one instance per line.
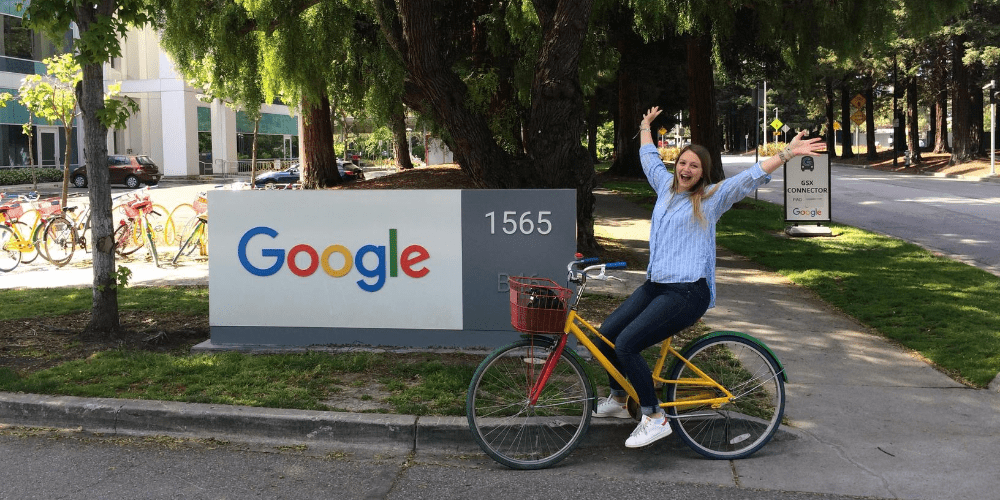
column 242, row 168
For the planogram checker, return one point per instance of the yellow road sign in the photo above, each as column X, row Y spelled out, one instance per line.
column 836, row 125
column 858, row 117
column 776, row 124
column 858, row 102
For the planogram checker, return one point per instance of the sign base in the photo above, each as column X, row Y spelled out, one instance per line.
column 808, row 231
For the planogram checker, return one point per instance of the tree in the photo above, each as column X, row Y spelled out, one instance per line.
column 101, row 23
column 53, row 98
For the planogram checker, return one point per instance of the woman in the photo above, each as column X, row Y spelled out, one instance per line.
column 680, row 279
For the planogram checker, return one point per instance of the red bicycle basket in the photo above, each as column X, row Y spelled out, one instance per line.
column 132, row 208
column 49, row 207
column 200, row 205
column 14, row 211
column 537, row 305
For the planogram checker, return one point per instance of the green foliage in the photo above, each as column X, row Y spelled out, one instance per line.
column 13, row 176
column 605, row 140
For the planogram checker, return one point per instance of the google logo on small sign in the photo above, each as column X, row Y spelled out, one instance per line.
column 373, row 277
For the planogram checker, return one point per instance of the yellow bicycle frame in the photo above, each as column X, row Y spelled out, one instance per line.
column 708, row 397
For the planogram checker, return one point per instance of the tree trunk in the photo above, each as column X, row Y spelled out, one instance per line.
column 913, row 138
column 939, row 80
column 701, row 89
column 976, row 111
column 961, row 117
column 831, row 133
column 846, row 139
column 104, row 321
column 318, row 163
column 631, row 52
column 554, row 157
column 401, row 140
column 872, row 154
column 253, row 152
column 556, row 121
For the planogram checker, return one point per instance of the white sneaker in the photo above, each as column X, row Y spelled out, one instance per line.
column 648, row 431
column 608, row 407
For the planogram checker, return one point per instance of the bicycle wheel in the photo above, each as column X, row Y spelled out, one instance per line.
column 522, row 435
column 10, row 256
column 193, row 234
column 23, row 232
column 742, row 426
column 125, row 240
column 178, row 219
column 58, row 240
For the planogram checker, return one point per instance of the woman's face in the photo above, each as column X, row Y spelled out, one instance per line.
column 688, row 171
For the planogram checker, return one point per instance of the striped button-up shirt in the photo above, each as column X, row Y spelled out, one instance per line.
column 681, row 249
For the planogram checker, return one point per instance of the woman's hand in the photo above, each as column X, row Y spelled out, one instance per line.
column 650, row 115
column 800, row 147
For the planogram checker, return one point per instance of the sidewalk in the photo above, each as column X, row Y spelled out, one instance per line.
column 864, row 417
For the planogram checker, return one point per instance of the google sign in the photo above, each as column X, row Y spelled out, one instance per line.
column 404, row 268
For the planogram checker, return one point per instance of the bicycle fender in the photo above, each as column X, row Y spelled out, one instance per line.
column 751, row 338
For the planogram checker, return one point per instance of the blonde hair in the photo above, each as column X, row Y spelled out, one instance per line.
column 698, row 191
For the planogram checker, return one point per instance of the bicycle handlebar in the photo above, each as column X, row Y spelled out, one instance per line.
column 576, row 274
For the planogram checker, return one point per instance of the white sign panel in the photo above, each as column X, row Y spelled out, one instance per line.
column 315, row 259
column 807, row 189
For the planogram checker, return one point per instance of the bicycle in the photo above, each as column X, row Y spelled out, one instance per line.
column 530, row 402
column 52, row 235
column 158, row 216
column 137, row 211
column 195, row 232
column 20, row 216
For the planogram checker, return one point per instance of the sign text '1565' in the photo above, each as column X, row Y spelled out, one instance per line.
column 526, row 223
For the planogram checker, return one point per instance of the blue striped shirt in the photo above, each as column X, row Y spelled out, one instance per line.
column 682, row 250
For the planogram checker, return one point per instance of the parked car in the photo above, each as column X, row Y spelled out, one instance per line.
column 130, row 170
column 290, row 175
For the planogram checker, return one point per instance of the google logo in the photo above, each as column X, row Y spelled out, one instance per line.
column 373, row 277
column 811, row 212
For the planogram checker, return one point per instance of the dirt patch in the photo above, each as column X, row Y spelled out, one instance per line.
column 928, row 163
column 33, row 344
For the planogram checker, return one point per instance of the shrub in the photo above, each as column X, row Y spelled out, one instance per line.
column 22, row 175
column 771, row 149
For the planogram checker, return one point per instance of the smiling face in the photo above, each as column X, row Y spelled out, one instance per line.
column 688, row 171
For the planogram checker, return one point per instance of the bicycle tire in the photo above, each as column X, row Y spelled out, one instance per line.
column 178, row 219
column 191, row 240
column 124, row 237
column 58, row 240
column 23, row 234
column 740, row 427
column 9, row 257
column 510, row 430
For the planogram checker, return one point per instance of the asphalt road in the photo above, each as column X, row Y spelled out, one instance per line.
column 955, row 217
column 70, row 465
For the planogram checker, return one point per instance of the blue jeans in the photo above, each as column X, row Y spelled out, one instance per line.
column 654, row 312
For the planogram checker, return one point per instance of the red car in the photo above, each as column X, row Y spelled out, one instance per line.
column 130, row 170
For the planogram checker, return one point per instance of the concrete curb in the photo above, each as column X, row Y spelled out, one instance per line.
column 271, row 426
